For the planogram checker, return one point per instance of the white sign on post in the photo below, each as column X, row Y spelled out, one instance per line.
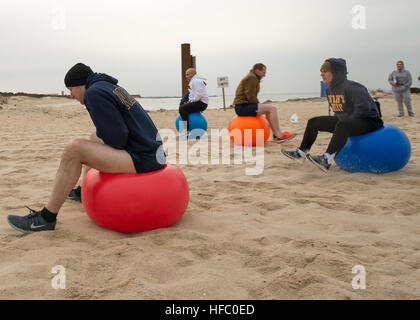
column 223, row 82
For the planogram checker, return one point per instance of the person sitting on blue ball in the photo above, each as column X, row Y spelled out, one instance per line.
column 197, row 98
column 125, row 141
column 355, row 113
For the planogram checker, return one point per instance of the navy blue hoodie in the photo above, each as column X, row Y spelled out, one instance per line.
column 122, row 123
column 349, row 98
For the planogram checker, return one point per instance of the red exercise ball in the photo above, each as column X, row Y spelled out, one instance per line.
column 249, row 137
column 135, row 202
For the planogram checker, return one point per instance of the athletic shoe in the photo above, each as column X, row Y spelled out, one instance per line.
column 400, row 115
column 294, row 155
column 76, row 194
column 320, row 161
column 33, row 222
column 284, row 137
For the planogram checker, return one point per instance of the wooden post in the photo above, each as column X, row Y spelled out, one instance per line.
column 193, row 62
column 224, row 103
column 223, row 82
column 185, row 64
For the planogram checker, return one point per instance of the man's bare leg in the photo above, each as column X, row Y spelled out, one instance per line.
column 93, row 137
column 272, row 117
column 92, row 154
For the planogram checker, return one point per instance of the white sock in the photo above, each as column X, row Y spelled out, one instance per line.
column 330, row 157
column 301, row 153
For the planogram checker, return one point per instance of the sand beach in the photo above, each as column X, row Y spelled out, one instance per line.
column 291, row 232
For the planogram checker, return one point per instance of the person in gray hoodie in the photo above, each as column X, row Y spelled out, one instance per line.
column 355, row 113
column 401, row 81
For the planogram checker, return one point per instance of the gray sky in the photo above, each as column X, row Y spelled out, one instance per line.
column 139, row 42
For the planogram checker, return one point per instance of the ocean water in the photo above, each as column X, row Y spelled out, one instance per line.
column 216, row 102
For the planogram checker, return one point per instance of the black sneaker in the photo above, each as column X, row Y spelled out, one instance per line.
column 33, row 222
column 76, row 194
column 320, row 161
column 294, row 155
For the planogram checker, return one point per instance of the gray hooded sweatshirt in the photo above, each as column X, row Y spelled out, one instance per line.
column 403, row 79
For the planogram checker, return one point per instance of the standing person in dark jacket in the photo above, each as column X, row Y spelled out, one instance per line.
column 355, row 113
column 247, row 105
column 126, row 141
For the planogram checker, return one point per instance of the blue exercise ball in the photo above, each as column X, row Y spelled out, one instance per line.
column 384, row 150
column 198, row 125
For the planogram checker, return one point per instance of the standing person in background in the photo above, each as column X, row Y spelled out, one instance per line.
column 247, row 105
column 401, row 81
column 198, row 98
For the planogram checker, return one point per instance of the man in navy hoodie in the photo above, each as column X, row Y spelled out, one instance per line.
column 355, row 113
column 125, row 141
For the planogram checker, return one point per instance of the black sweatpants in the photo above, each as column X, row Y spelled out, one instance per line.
column 187, row 108
column 341, row 130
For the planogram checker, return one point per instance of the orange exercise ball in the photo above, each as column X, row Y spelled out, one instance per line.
column 243, row 130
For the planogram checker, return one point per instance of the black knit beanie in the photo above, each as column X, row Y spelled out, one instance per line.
column 77, row 75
